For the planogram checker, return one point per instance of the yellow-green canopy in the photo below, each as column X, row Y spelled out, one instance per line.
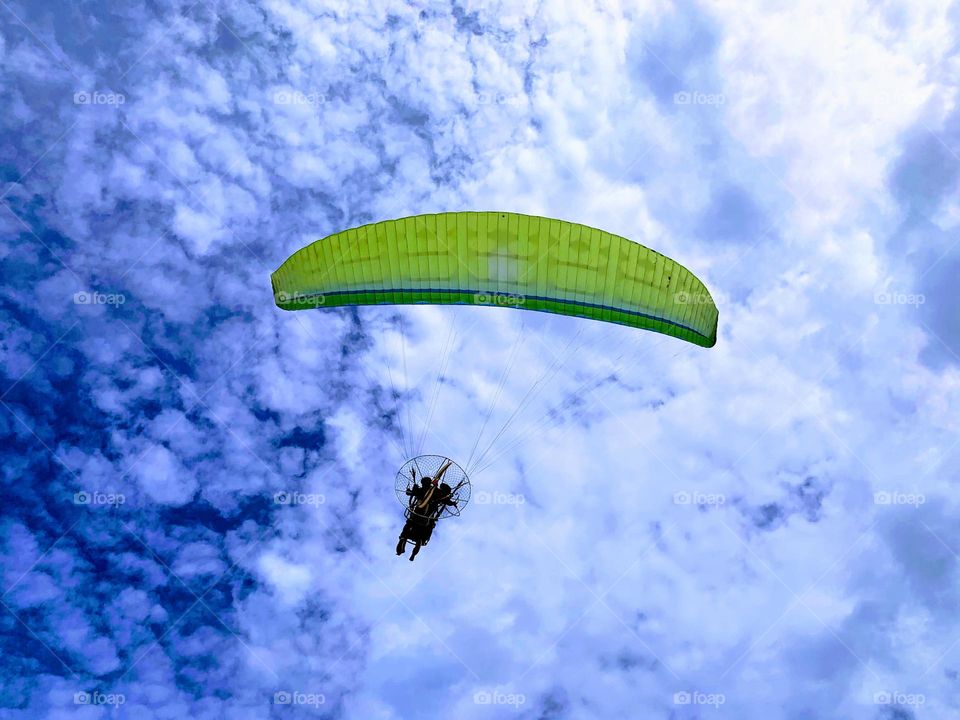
column 502, row 259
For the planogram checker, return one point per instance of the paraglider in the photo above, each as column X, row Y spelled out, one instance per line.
column 430, row 499
column 502, row 259
column 492, row 258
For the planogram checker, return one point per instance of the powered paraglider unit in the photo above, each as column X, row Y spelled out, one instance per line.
column 419, row 472
column 499, row 259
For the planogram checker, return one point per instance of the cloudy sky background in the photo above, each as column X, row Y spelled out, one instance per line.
column 802, row 160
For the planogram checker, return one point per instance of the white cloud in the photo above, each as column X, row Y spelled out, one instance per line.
column 162, row 477
column 587, row 582
column 292, row 581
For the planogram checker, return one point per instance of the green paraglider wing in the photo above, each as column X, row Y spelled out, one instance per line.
column 503, row 259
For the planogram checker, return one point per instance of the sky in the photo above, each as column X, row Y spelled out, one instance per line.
column 198, row 512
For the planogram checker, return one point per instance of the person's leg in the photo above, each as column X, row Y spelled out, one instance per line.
column 416, row 549
column 401, row 545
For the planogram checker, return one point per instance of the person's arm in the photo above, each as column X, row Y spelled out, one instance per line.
column 411, row 489
column 451, row 499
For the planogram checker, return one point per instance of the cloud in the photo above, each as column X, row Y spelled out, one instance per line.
column 769, row 522
column 163, row 478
